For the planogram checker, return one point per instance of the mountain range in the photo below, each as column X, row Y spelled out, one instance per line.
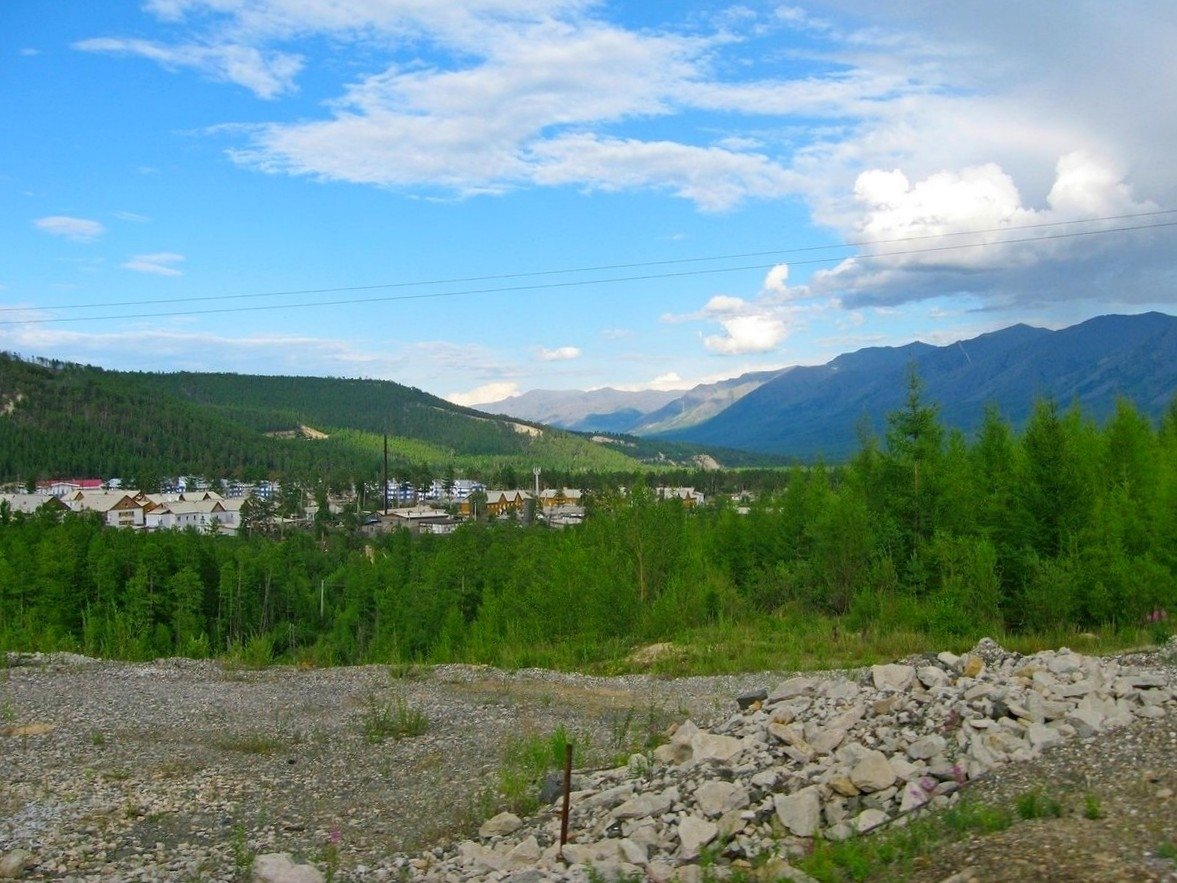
column 819, row 411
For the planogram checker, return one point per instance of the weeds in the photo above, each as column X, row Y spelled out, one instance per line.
column 329, row 855
column 7, row 710
column 398, row 720
column 404, row 671
column 97, row 738
column 242, row 854
column 248, row 743
column 1091, row 807
column 526, row 762
column 1036, row 805
column 890, row 854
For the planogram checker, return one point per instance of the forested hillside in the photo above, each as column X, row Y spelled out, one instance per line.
column 1064, row 524
column 61, row 419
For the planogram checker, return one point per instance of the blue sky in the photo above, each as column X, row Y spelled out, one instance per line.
column 486, row 197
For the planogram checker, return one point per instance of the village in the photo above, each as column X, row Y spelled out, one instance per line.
column 231, row 507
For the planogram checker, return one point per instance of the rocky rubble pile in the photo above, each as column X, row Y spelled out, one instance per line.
column 833, row 756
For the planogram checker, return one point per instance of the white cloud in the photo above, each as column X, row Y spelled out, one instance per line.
column 267, row 75
column 77, row 229
column 714, row 178
column 559, row 354
column 133, row 217
column 159, row 264
column 928, row 239
column 756, row 333
column 776, row 282
column 488, row 393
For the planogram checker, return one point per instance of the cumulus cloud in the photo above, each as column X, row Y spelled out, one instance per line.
column 761, row 324
column 753, row 333
column 559, row 354
column 952, row 231
column 159, row 264
column 77, row 229
column 487, row 394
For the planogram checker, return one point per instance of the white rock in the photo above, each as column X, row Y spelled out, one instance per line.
column 279, row 867
column 927, row 747
column 873, row 772
column 12, row 864
column 892, row 676
column 502, row 824
column 932, row 676
column 799, row 686
column 643, row 805
column 869, row 819
column 708, row 746
column 525, row 853
column 693, row 834
column 1086, row 721
column 800, row 812
column 715, row 797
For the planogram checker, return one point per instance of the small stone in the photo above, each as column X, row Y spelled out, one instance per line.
column 751, row 698
column 869, row 819
column 279, row 867
column 892, row 676
column 13, row 864
column 501, row 825
column 873, row 772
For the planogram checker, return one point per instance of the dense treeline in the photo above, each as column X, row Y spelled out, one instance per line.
column 1064, row 523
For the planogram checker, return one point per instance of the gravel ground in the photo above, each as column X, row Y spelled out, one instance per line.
column 177, row 769
column 180, row 770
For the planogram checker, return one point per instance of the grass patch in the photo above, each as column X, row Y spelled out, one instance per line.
column 526, row 762
column 1091, row 807
column 1036, row 805
column 242, row 854
column 1167, row 850
column 890, row 854
column 391, row 720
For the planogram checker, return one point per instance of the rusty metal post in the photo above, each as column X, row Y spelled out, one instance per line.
column 567, row 795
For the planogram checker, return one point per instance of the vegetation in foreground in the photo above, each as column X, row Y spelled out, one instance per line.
column 1063, row 533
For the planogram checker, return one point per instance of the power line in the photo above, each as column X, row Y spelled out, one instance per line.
column 599, row 268
column 587, row 282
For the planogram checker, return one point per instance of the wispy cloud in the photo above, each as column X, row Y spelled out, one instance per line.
column 159, row 264
column 266, row 74
column 77, row 229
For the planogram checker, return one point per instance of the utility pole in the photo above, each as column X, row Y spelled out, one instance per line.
column 384, row 496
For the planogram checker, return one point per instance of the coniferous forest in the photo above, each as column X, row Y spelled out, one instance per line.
column 1061, row 524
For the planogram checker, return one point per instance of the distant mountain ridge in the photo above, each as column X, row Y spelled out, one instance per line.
column 815, row 412
column 639, row 412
